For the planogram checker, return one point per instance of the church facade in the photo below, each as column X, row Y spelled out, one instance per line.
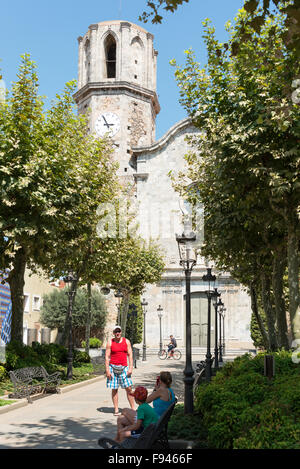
column 117, row 84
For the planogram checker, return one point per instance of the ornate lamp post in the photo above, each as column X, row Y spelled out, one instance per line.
column 160, row 314
column 144, row 304
column 71, row 280
column 188, row 259
column 220, row 305
column 210, row 294
column 223, row 317
column 216, row 305
column 119, row 295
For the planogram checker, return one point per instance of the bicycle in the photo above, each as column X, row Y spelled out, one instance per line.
column 175, row 353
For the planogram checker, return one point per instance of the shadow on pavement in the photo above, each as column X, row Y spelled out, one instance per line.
column 67, row 433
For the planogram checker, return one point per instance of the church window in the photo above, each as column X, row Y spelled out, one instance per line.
column 110, row 56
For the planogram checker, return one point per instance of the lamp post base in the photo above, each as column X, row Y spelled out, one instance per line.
column 188, row 391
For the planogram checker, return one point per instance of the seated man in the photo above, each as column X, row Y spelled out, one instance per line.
column 131, row 423
column 171, row 346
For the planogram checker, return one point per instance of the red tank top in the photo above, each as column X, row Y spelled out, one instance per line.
column 118, row 354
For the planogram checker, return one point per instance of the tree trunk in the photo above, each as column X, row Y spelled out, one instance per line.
column 279, row 264
column 268, row 308
column 88, row 319
column 124, row 311
column 16, row 282
column 293, row 278
column 255, row 311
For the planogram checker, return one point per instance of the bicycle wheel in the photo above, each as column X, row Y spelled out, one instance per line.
column 162, row 355
column 177, row 355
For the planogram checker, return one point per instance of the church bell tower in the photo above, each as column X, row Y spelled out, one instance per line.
column 117, row 83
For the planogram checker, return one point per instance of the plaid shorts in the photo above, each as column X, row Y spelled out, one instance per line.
column 118, row 380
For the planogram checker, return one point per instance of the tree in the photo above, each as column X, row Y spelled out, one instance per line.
column 46, row 159
column 54, row 309
column 134, row 327
column 245, row 172
column 291, row 9
column 128, row 264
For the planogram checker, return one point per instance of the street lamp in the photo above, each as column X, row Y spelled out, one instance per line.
column 188, row 259
column 144, row 304
column 210, row 294
column 220, row 305
column 160, row 315
column 71, row 280
column 119, row 295
column 223, row 317
column 216, row 305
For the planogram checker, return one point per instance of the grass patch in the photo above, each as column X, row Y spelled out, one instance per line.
column 81, row 372
column 4, row 402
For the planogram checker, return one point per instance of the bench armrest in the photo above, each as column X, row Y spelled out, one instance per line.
column 56, row 374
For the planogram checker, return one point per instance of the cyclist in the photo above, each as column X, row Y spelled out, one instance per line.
column 171, row 346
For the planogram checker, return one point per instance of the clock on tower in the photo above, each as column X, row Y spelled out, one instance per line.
column 107, row 123
column 117, row 83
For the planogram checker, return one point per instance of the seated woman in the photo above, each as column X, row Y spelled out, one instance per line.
column 163, row 395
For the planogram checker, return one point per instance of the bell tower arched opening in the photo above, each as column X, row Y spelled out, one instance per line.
column 110, row 56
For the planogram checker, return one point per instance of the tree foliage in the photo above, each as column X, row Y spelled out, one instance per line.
column 258, row 10
column 128, row 264
column 246, row 169
column 46, row 160
column 55, row 305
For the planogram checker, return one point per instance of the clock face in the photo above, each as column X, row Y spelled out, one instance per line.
column 107, row 123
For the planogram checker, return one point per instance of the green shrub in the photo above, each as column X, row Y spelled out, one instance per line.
column 80, row 357
column 53, row 353
column 21, row 356
column 47, row 355
column 2, row 373
column 94, row 343
column 187, row 427
column 242, row 409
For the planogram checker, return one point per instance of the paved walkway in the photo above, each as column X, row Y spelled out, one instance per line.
column 77, row 418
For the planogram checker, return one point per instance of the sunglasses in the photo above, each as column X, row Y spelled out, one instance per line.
column 117, row 331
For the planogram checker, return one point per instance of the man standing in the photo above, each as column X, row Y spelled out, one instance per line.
column 118, row 371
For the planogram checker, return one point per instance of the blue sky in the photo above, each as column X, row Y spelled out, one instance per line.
column 48, row 31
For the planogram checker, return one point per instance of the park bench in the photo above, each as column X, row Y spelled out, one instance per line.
column 155, row 436
column 28, row 381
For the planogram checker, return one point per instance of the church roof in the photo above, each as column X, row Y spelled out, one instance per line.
column 175, row 129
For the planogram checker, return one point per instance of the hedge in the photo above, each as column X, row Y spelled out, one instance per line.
column 242, row 409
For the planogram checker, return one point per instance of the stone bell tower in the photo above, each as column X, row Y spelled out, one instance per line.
column 117, row 82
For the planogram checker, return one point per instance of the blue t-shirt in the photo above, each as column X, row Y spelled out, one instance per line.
column 160, row 406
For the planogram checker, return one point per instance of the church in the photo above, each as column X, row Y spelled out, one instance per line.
column 117, row 66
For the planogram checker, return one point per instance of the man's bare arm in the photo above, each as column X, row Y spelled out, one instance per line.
column 130, row 357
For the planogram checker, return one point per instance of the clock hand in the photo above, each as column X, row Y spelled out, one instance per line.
column 106, row 123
